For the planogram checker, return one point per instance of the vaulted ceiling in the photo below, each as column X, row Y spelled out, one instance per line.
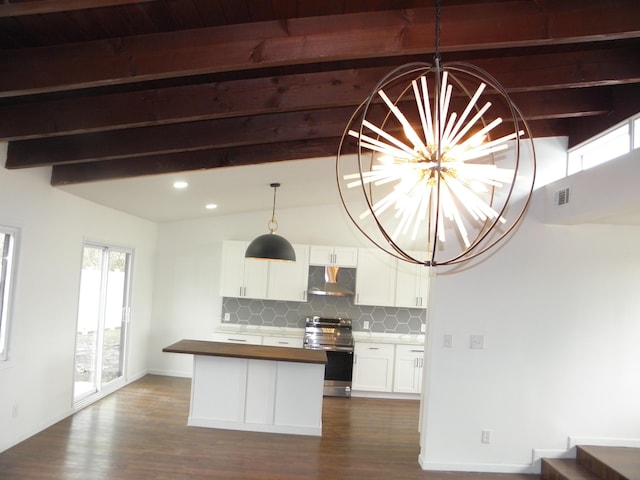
column 107, row 89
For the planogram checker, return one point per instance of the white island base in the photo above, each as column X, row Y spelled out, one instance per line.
column 276, row 395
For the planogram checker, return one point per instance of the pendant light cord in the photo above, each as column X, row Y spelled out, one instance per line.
column 273, row 224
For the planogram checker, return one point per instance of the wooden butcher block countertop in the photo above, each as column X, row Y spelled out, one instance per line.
column 256, row 352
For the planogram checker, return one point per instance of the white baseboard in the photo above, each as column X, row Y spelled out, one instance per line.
column 171, row 373
column 386, row 395
column 474, row 467
column 68, row 413
column 41, row 427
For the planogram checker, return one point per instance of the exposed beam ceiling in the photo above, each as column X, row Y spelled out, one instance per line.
column 107, row 89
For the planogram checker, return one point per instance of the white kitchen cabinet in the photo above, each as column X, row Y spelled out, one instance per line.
column 333, row 256
column 232, row 337
column 375, row 278
column 409, row 367
column 412, row 284
column 239, row 276
column 263, row 279
column 373, row 367
column 288, row 281
column 277, row 341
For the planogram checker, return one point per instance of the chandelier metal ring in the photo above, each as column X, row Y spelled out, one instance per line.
column 407, row 117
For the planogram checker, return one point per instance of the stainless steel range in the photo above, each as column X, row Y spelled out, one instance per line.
column 335, row 337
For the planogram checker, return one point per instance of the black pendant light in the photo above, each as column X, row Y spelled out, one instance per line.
column 271, row 246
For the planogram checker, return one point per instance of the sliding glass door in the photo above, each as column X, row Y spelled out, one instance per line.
column 103, row 317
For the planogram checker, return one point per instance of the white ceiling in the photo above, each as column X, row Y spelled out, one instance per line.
column 244, row 189
column 234, row 189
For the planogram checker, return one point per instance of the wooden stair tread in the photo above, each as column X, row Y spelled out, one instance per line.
column 624, row 461
column 566, row 469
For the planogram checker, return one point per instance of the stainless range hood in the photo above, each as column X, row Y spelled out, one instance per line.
column 331, row 286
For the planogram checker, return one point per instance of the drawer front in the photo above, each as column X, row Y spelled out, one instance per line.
column 237, row 338
column 289, row 342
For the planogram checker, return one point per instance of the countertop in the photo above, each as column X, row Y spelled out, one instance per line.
column 395, row 338
column 256, row 352
column 359, row 336
column 261, row 330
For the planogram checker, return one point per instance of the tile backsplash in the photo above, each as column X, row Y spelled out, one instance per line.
column 274, row 313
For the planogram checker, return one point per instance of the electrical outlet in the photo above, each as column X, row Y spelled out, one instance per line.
column 486, row 436
column 423, row 328
column 448, row 341
column 365, row 324
column 227, row 317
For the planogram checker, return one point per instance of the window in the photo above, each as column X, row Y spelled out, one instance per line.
column 8, row 238
column 610, row 144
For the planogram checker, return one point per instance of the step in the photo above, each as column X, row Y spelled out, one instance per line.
column 611, row 463
column 565, row 469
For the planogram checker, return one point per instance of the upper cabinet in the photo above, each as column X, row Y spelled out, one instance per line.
column 381, row 279
column 375, row 278
column 333, row 256
column 412, row 285
column 263, row 279
column 239, row 276
column 289, row 280
column 386, row 281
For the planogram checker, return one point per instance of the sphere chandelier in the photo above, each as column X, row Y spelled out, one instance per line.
column 427, row 168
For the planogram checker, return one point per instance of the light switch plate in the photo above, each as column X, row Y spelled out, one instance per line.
column 476, row 342
column 365, row 324
column 448, row 341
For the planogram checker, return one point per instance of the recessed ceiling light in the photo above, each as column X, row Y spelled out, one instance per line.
column 180, row 184
column 211, row 206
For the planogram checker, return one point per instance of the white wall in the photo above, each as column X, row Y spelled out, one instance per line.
column 38, row 378
column 558, row 307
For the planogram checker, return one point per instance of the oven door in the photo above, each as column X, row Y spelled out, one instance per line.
column 338, row 373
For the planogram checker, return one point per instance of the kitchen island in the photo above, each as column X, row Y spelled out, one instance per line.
column 255, row 387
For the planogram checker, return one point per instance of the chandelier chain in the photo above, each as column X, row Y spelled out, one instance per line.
column 437, row 31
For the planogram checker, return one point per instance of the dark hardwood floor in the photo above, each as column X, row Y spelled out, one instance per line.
column 140, row 433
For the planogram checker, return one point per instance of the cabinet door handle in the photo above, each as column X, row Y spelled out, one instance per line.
column 237, row 339
column 355, row 358
column 417, row 350
column 374, row 348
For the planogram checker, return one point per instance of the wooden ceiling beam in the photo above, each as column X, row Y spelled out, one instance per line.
column 41, row 7
column 261, row 129
column 67, row 174
column 292, row 93
column 189, row 161
column 224, row 133
column 310, row 40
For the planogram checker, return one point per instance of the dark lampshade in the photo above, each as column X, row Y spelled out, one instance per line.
column 271, row 246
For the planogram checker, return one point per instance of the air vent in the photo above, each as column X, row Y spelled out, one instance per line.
column 563, row 196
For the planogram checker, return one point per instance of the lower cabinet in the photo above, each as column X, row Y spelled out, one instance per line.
column 409, row 364
column 237, row 338
column 254, row 339
column 275, row 341
column 373, row 367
